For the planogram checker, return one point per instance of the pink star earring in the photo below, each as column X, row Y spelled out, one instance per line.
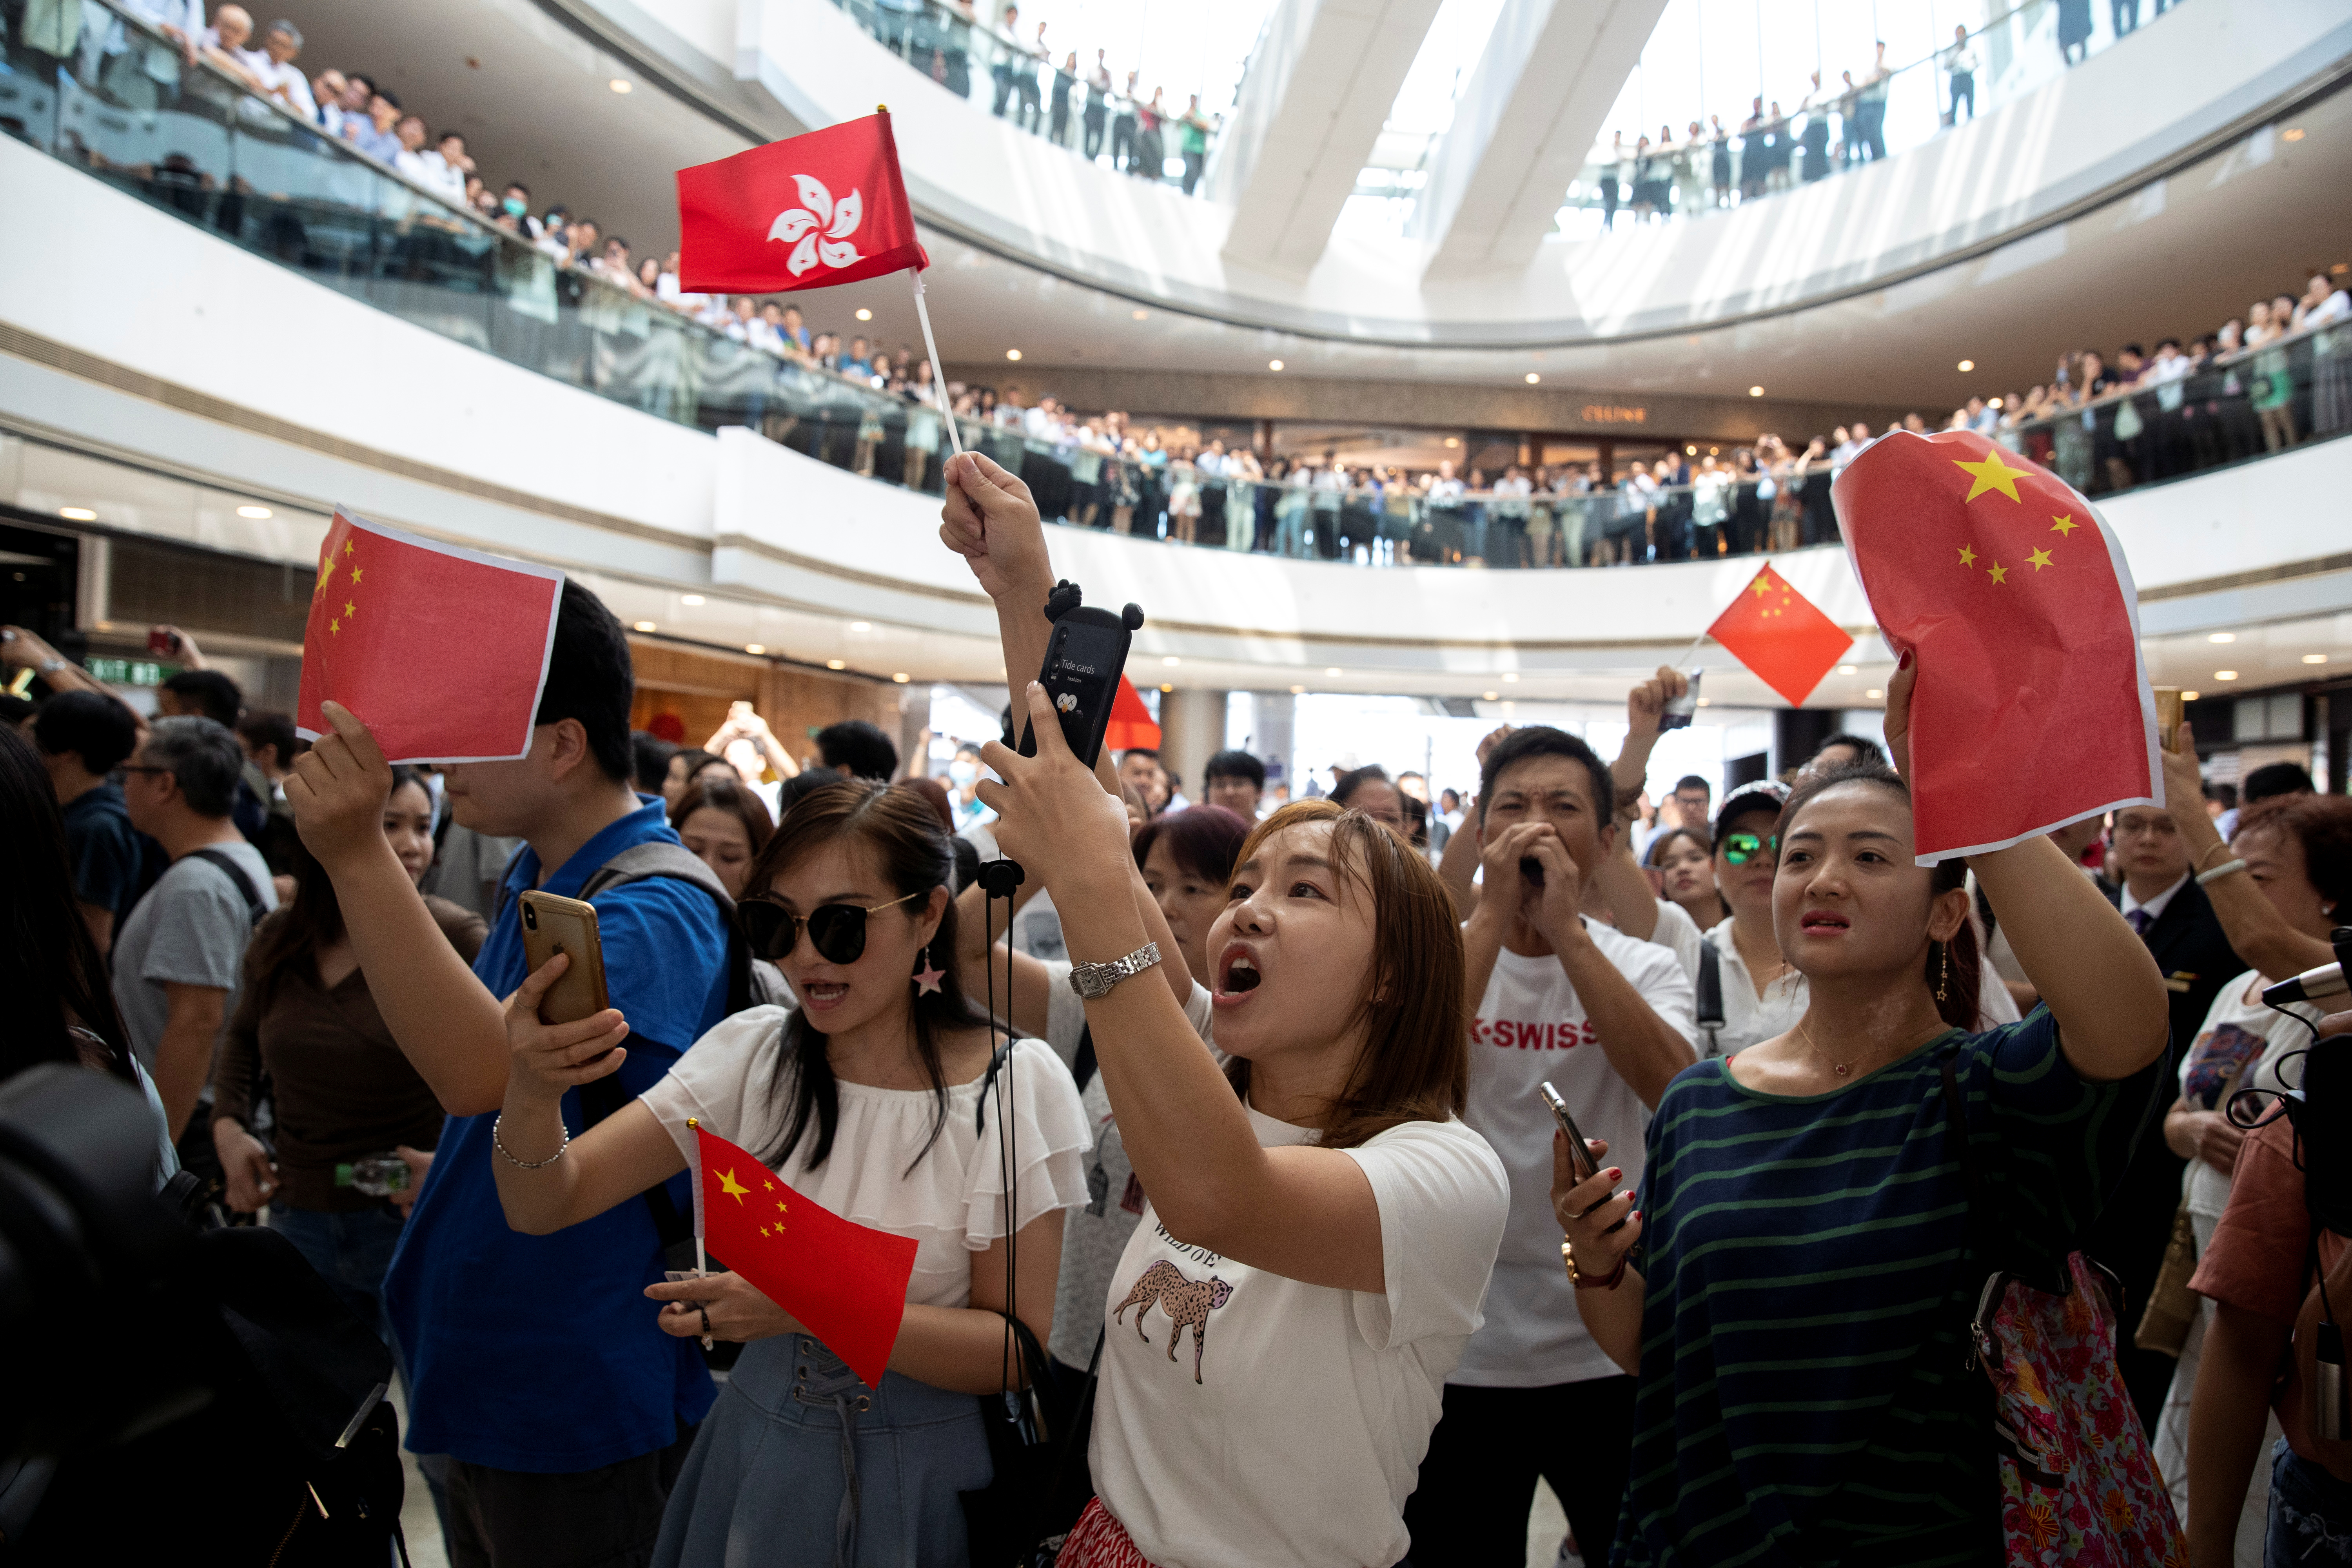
column 927, row 979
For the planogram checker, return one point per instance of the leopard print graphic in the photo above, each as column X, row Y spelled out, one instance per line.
column 1184, row 1301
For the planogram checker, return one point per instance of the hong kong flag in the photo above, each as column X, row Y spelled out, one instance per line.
column 2032, row 708
column 1780, row 636
column 804, row 212
column 439, row 650
column 845, row 1282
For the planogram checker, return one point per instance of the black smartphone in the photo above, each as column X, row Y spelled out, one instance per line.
column 1080, row 675
column 1579, row 1153
column 1531, row 871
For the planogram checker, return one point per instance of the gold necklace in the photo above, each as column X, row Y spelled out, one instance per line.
column 1842, row 1068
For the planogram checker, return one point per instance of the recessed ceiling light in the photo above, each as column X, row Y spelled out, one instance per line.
column 755, row 647
column 1273, row 365
column 1755, row 392
column 1298, row 690
column 252, row 511
column 1533, row 379
column 2225, row 675
column 2314, row 659
column 690, row 599
column 1334, row 669
column 2222, row 637
column 77, row 513
column 1967, row 366
column 1509, row 675
column 901, row 677
column 863, row 314
column 2291, row 133
column 1704, row 700
column 1013, row 354
column 861, row 625
column 1992, row 403
column 1453, row 440
column 1849, row 669
column 1874, row 694
column 1171, row 659
column 2191, row 696
column 643, row 626
column 1140, row 315
column 619, row 84
column 837, row 664
column 1165, row 689
column 1488, row 696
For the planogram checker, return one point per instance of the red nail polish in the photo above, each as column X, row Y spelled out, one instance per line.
column 1903, row 663
column 1614, row 1172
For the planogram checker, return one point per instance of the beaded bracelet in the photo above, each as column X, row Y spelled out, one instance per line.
column 499, row 1144
column 1583, row 1282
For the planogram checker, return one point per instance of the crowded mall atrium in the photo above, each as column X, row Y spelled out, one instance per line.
column 844, row 599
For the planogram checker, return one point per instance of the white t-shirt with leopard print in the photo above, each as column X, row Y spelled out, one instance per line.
column 1246, row 1418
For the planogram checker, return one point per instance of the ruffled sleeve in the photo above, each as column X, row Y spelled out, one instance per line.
column 1049, row 1141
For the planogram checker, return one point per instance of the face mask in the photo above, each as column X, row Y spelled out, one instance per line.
column 515, row 206
column 962, row 772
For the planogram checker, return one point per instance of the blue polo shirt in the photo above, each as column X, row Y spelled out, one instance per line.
column 538, row 1353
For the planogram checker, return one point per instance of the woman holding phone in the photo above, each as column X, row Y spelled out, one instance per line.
column 1799, row 1351
column 868, row 1101
column 1318, row 1224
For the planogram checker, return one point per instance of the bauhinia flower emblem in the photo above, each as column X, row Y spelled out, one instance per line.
column 797, row 227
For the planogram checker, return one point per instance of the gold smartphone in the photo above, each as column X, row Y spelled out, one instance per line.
column 2169, row 712
column 552, row 925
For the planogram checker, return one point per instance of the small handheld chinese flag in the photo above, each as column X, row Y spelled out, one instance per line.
column 845, row 1282
column 2032, row 708
column 441, row 651
column 807, row 212
column 1131, row 721
column 1780, row 636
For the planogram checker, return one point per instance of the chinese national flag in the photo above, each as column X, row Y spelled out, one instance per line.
column 804, row 212
column 1131, row 721
column 1778, row 634
column 441, row 651
column 2032, row 708
column 845, row 1282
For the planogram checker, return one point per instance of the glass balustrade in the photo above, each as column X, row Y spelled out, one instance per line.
column 189, row 142
column 1128, row 132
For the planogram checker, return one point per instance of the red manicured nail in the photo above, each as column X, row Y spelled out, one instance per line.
column 1903, row 663
column 1637, row 1213
column 1614, row 1172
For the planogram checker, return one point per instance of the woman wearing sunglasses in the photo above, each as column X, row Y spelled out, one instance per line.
column 1797, row 1313
column 868, row 1101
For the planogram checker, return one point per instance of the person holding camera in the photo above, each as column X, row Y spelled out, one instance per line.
column 1318, row 1226
column 348, row 1105
column 1806, row 1252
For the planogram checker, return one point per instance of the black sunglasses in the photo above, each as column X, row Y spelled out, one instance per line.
column 1741, row 848
column 837, row 931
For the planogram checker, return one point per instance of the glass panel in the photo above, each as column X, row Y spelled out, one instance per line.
column 104, row 93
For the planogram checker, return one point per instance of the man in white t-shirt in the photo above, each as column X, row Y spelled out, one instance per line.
column 1608, row 1021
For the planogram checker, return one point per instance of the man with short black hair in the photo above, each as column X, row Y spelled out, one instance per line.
column 857, row 750
column 1140, row 770
column 564, row 1429
column 205, row 692
column 83, row 737
column 1841, row 752
column 1692, row 796
column 1533, row 1394
column 179, row 956
column 649, row 761
column 1236, row 781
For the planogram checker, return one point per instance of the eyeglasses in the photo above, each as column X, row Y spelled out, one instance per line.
column 837, row 931
column 1741, row 848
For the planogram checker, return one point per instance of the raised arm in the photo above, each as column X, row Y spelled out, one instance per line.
column 2257, row 931
column 2097, row 978
column 1032, row 979
column 448, row 1025
column 1620, row 878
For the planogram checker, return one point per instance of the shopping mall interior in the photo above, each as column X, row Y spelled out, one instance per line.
column 1418, row 366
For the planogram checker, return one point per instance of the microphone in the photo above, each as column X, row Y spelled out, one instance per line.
column 2316, row 985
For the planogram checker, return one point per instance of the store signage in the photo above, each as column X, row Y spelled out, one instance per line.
column 1613, row 414
column 128, row 671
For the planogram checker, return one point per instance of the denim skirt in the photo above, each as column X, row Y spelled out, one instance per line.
column 802, row 1465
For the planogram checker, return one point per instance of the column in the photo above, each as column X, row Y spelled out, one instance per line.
column 1192, row 730
column 1274, row 717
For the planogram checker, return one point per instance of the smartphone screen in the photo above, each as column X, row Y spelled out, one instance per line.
column 552, row 925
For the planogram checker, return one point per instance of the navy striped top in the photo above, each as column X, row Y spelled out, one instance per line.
column 1802, row 1400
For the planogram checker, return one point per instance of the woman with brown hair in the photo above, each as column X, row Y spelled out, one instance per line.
column 1808, row 1252
column 725, row 826
column 1685, row 863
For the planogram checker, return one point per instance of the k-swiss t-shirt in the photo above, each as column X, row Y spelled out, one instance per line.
column 1246, row 1418
column 1531, row 1027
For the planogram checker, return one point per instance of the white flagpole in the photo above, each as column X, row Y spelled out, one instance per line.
column 939, row 369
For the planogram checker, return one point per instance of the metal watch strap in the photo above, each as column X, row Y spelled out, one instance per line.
column 1095, row 981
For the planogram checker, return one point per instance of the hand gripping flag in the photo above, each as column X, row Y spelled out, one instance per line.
column 1780, row 636
column 845, row 1282
column 441, row 651
column 804, row 212
column 2032, row 708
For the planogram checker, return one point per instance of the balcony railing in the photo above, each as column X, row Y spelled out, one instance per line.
column 1135, row 132
column 210, row 153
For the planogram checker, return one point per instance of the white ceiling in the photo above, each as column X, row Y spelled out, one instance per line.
column 535, row 101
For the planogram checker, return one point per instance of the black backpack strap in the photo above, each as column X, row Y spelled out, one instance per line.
column 254, row 907
column 1710, row 994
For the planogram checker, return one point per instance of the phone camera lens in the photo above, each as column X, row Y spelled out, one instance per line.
column 530, row 917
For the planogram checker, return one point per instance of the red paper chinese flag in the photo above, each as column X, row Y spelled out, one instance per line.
column 804, row 212
column 2032, row 708
column 1131, row 721
column 441, row 651
column 845, row 1282
column 1780, row 636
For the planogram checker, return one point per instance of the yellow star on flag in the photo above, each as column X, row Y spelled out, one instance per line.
column 2038, row 559
column 1968, row 556
column 356, row 573
column 326, row 576
column 2062, row 526
column 334, row 626
column 731, row 1187
column 349, row 547
column 349, row 609
column 780, row 1207
column 1999, row 573
column 1992, row 474
column 1760, row 587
